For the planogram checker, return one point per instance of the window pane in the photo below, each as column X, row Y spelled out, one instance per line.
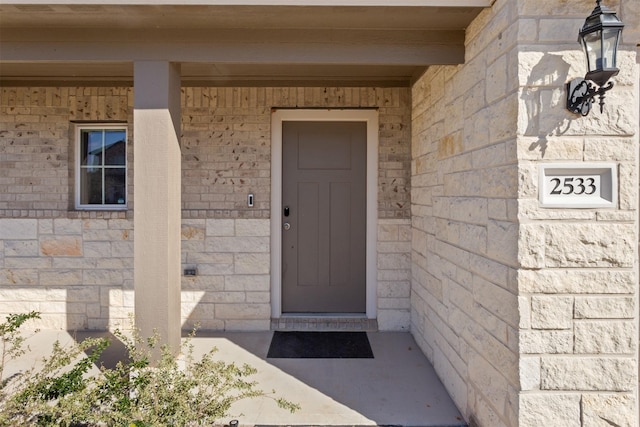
column 91, row 147
column 115, row 147
column 91, row 186
column 115, row 186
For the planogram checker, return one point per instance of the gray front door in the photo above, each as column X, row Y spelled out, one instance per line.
column 324, row 217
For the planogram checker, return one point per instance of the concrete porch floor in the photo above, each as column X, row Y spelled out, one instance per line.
column 397, row 387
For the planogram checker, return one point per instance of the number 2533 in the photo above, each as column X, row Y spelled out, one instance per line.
column 574, row 185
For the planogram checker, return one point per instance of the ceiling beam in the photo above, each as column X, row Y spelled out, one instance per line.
column 370, row 47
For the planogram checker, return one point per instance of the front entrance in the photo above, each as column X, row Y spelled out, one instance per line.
column 324, row 211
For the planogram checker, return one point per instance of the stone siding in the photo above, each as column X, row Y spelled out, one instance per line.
column 232, row 288
column 394, row 274
column 78, row 273
column 578, row 279
column 482, row 246
column 465, row 225
column 226, row 151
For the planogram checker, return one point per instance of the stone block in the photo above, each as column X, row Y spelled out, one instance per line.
column 224, row 297
column 551, row 312
column 45, row 226
column 193, row 231
column 122, row 248
column 606, row 410
column 238, row 244
column 97, row 249
column 102, row 277
column 95, row 224
column 18, row 229
column 250, row 283
column 61, row 246
column 394, row 247
column 602, row 307
column 546, row 342
column 394, row 320
column 529, row 373
column 531, row 246
column 590, row 245
column 64, row 226
column 252, row 263
column 20, row 248
column 388, row 233
column 490, row 382
column 60, row 277
column 496, row 79
column 605, row 337
column 524, row 308
column 220, row 227
column 243, row 311
column 28, row 262
column 549, row 410
column 394, row 289
column 496, row 300
column 253, row 227
column 586, row 374
column 247, row 325
column 394, row 304
column 258, row 297
column 9, row 276
column 454, row 382
column 394, row 261
column 577, row 281
column 502, row 357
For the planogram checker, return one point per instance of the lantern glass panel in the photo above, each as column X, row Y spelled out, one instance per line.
column 593, row 50
column 610, row 47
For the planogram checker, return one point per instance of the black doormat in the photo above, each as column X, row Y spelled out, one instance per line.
column 320, row 345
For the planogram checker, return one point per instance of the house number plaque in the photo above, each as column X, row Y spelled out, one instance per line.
column 578, row 185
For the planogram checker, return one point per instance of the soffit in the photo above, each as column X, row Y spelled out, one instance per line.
column 227, row 17
column 336, row 40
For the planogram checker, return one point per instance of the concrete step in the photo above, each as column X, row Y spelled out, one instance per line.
column 323, row 323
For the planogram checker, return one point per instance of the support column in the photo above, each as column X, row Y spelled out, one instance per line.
column 157, row 200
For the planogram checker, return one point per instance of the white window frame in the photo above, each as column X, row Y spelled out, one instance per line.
column 78, row 166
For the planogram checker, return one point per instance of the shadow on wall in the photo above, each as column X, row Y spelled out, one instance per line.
column 543, row 96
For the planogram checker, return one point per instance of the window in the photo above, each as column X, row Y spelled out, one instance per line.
column 101, row 173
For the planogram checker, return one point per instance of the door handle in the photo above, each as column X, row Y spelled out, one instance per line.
column 286, row 226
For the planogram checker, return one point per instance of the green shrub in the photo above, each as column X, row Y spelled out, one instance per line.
column 182, row 391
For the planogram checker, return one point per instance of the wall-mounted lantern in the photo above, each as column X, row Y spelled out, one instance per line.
column 599, row 37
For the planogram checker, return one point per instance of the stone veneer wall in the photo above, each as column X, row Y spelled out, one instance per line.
column 464, row 213
column 528, row 314
column 76, row 266
column 578, row 277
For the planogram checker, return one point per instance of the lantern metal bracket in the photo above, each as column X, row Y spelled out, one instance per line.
column 581, row 94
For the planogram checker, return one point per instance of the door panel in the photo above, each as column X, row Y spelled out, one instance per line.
column 324, row 187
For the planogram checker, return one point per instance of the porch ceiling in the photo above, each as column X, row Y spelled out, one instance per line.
column 240, row 40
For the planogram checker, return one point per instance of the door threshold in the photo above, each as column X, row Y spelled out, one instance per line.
column 324, row 322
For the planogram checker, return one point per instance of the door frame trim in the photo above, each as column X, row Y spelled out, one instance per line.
column 370, row 116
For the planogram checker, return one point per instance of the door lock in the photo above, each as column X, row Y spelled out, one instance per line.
column 286, row 226
column 286, row 211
